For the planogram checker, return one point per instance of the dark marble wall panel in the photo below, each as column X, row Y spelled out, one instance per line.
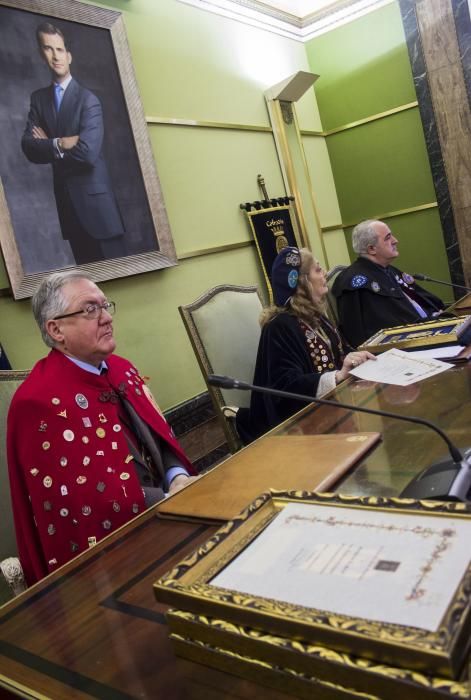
column 461, row 13
column 424, row 98
column 463, row 33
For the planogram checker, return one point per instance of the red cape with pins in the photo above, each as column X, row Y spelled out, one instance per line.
column 71, row 476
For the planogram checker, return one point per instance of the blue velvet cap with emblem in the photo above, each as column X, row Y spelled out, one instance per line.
column 285, row 274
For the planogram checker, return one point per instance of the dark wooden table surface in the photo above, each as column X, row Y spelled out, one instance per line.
column 406, row 449
column 94, row 630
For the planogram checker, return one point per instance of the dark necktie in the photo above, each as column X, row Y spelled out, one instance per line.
column 142, row 445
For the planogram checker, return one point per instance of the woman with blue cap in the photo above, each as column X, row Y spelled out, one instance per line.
column 300, row 350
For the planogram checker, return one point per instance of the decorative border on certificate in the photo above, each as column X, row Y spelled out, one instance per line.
column 383, row 579
column 415, row 335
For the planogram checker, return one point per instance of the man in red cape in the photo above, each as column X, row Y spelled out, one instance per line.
column 88, row 448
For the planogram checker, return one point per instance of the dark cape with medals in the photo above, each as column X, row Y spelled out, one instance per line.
column 291, row 356
column 371, row 297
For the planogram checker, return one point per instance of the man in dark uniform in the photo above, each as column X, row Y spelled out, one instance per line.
column 65, row 129
column 371, row 294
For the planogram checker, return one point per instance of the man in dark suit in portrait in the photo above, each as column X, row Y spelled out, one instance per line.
column 65, row 128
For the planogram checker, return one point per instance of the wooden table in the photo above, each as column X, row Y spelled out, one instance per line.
column 406, row 448
column 93, row 628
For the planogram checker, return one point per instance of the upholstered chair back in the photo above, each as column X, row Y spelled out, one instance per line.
column 223, row 326
column 331, row 300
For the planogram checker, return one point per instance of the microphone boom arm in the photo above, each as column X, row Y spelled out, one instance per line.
column 425, row 278
column 230, row 383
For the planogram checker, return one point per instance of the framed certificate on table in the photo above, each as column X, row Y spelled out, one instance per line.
column 450, row 331
column 461, row 307
column 383, row 579
column 298, row 668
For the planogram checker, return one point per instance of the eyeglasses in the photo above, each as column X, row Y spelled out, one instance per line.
column 91, row 311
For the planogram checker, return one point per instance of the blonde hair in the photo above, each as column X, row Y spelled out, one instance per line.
column 301, row 304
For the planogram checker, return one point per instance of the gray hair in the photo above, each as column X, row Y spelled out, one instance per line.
column 364, row 235
column 49, row 302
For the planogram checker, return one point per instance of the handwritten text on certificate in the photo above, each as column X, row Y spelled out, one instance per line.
column 393, row 568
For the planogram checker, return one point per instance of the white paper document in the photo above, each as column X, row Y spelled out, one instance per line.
column 400, row 569
column 442, row 351
column 400, row 368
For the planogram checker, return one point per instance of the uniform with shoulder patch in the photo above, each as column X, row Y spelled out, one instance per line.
column 371, row 297
column 358, row 281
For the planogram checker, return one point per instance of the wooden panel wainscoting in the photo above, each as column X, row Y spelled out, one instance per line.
column 199, row 432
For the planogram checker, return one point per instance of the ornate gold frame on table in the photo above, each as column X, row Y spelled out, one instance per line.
column 418, row 335
column 286, row 680
column 460, row 307
column 188, row 587
column 306, row 668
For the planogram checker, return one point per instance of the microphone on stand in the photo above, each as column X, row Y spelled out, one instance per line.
column 425, row 278
column 446, row 480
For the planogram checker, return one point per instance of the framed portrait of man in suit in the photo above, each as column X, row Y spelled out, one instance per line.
column 78, row 182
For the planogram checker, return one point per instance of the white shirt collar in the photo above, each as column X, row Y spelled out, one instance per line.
column 65, row 83
column 87, row 366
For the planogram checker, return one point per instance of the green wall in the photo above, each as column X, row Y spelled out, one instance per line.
column 364, row 68
column 382, row 166
column 190, row 64
column 193, row 65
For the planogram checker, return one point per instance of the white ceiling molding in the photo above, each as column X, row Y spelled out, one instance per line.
column 319, row 16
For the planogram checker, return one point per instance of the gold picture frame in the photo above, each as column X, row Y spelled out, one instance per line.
column 31, row 238
column 441, row 652
column 271, row 675
column 417, row 335
column 460, row 307
column 299, row 668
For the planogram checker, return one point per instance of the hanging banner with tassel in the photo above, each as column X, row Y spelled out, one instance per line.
column 271, row 223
